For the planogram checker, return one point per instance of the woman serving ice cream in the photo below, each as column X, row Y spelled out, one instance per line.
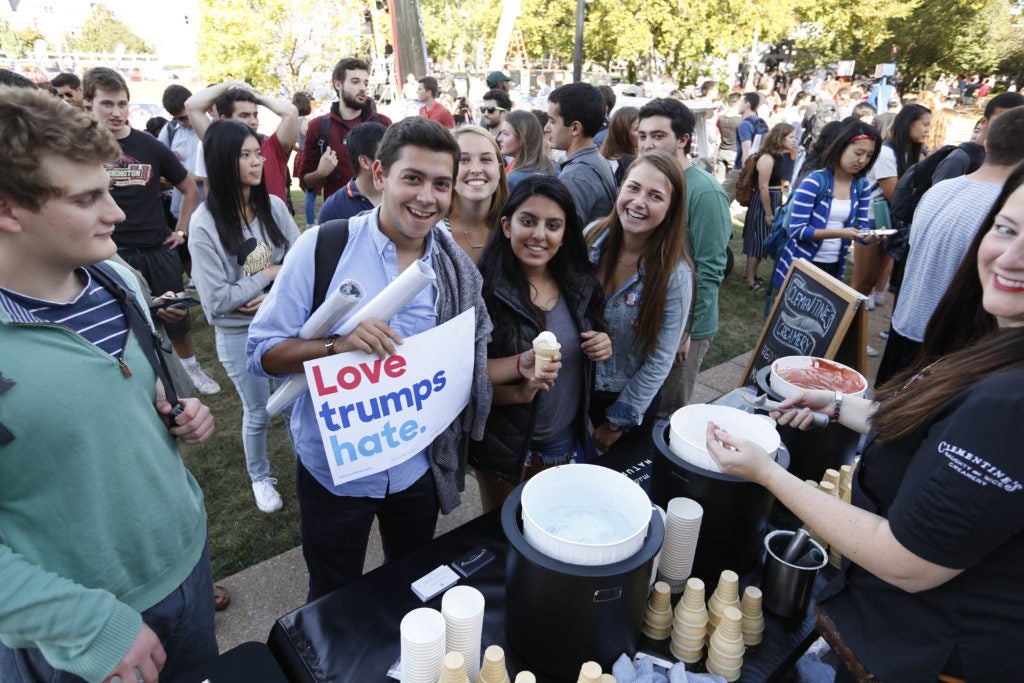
column 546, row 308
column 935, row 539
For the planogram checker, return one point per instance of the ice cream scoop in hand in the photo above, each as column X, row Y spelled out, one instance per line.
column 737, row 456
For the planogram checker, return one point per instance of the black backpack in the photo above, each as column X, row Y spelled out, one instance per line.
column 918, row 179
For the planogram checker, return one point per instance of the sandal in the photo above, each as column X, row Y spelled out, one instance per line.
column 757, row 286
column 221, row 598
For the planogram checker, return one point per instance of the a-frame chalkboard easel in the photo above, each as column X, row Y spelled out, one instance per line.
column 814, row 314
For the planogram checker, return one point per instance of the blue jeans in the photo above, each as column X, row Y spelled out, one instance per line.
column 254, row 392
column 183, row 621
column 310, row 204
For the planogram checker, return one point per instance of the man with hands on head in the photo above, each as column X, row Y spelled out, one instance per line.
column 239, row 101
column 104, row 561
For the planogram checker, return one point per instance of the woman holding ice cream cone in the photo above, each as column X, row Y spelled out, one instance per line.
column 548, row 333
column 647, row 277
column 934, row 541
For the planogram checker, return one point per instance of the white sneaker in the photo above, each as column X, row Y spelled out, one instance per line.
column 267, row 497
column 204, row 384
column 872, row 351
column 879, row 298
column 869, row 303
column 884, row 334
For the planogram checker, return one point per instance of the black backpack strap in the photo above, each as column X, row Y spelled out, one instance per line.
column 151, row 343
column 975, row 153
column 331, row 240
column 323, row 131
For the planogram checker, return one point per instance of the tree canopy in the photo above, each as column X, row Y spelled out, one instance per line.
column 102, row 31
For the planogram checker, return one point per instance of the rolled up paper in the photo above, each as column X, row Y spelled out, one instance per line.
column 335, row 307
column 382, row 307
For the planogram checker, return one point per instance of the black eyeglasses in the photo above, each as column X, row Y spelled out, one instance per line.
column 491, row 110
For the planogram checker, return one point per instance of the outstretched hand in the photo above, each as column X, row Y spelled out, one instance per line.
column 737, row 456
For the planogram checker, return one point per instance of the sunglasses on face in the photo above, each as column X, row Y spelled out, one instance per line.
column 491, row 110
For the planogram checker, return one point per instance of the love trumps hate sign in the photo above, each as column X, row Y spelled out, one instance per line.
column 374, row 414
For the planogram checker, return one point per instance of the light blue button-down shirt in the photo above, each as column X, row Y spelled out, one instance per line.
column 370, row 259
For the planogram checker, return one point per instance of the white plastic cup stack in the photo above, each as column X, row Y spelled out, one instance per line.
column 463, row 610
column 682, row 528
column 423, row 645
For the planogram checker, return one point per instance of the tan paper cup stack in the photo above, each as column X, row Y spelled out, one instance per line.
column 753, row 616
column 725, row 649
column 682, row 528
column 590, row 672
column 545, row 346
column 658, row 617
column 689, row 627
column 463, row 611
column 454, row 669
column 493, row 670
column 727, row 594
column 423, row 646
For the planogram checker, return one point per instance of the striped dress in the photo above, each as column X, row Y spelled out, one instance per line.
column 755, row 227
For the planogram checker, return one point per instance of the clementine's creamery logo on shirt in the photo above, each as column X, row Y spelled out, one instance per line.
column 977, row 469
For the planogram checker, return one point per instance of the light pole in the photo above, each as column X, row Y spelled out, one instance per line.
column 577, row 50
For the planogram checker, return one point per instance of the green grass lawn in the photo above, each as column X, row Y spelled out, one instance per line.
column 242, row 536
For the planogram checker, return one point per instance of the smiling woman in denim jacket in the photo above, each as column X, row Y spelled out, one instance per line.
column 642, row 262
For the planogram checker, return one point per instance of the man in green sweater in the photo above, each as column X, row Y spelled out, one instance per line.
column 667, row 124
column 104, row 563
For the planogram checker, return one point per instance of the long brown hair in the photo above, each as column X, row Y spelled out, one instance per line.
column 962, row 345
column 665, row 248
column 619, row 141
column 775, row 141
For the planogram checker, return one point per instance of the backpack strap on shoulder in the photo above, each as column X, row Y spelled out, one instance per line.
column 152, row 345
column 331, row 240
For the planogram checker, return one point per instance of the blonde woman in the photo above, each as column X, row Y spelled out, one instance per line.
column 481, row 189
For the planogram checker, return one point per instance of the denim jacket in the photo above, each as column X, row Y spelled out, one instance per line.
column 636, row 375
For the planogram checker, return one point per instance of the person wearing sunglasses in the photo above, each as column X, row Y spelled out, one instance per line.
column 69, row 88
column 493, row 108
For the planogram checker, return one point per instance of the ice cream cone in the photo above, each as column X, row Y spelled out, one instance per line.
column 832, row 477
column 693, row 596
column 661, row 597
column 684, row 655
column 525, row 677
column 607, row 678
column 545, row 346
column 685, row 642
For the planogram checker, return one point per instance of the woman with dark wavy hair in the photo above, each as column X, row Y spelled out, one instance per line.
column 238, row 238
column 536, row 278
column 930, row 587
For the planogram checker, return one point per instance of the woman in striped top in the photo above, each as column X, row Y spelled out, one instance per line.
column 830, row 207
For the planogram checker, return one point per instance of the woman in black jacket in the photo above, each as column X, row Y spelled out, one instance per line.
column 537, row 277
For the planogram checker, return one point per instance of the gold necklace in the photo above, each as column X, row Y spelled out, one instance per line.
column 469, row 237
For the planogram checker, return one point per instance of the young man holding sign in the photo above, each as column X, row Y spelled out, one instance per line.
column 368, row 435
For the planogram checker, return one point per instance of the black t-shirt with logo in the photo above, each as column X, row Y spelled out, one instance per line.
column 953, row 493
column 135, row 186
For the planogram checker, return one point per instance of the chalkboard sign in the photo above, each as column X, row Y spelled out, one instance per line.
column 810, row 317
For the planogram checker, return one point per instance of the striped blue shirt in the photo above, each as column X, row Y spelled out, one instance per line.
column 810, row 215
column 94, row 314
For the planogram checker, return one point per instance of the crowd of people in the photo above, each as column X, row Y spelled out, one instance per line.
column 607, row 226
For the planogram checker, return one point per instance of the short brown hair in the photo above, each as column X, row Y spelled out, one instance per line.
column 34, row 125
column 103, row 78
column 430, row 85
column 417, row 132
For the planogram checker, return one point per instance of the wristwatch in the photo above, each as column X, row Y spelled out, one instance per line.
column 329, row 344
column 182, row 234
column 837, row 406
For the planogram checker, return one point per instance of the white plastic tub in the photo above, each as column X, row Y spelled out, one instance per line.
column 585, row 514
column 689, row 426
column 808, row 372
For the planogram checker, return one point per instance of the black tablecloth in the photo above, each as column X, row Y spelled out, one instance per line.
column 353, row 633
column 247, row 663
